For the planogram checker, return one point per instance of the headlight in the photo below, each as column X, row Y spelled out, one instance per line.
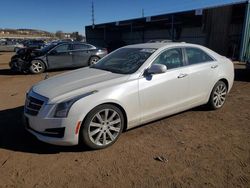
column 62, row 109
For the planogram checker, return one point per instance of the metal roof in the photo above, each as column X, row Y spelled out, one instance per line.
column 139, row 19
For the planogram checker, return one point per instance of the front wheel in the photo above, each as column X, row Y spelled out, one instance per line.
column 218, row 96
column 37, row 67
column 102, row 127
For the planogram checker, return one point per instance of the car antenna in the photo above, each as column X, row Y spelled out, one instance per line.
column 46, row 76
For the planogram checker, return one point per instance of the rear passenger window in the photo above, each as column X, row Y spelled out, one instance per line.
column 82, row 47
column 195, row 56
column 171, row 58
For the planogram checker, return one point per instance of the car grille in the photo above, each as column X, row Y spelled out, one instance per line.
column 32, row 105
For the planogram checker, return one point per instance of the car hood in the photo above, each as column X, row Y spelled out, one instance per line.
column 74, row 83
column 27, row 53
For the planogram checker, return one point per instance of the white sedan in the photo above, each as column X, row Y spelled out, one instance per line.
column 133, row 85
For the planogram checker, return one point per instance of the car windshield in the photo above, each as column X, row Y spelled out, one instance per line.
column 124, row 60
column 47, row 48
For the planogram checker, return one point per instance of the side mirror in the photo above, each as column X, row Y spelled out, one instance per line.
column 156, row 69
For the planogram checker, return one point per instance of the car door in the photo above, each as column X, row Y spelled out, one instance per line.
column 202, row 74
column 60, row 56
column 81, row 54
column 164, row 94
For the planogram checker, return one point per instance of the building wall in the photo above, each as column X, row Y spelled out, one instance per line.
column 219, row 29
column 245, row 42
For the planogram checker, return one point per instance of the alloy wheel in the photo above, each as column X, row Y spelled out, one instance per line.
column 36, row 66
column 104, row 127
column 219, row 95
column 93, row 60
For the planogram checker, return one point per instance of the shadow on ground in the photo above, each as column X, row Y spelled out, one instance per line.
column 8, row 72
column 14, row 137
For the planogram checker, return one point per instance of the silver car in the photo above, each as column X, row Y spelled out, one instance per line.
column 10, row 46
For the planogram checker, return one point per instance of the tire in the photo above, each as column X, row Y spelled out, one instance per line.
column 102, row 127
column 93, row 60
column 217, row 96
column 37, row 67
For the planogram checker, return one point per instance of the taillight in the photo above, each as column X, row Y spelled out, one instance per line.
column 105, row 50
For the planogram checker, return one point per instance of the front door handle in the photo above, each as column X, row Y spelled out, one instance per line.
column 182, row 75
column 214, row 66
column 70, row 53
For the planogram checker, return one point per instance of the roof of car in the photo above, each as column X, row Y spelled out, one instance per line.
column 156, row 45
column 71, row 42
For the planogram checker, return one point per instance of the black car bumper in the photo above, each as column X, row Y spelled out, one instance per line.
column 19, row 65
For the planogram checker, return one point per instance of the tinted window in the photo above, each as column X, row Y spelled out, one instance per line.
column 124, row 60
column 47, row 48
column 171, row 58
column 82, row 46
column 62, row 48
column 195, row 55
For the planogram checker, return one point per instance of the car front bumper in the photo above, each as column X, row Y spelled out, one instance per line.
column 39, row 120
column 19, row 65
column 53, row 131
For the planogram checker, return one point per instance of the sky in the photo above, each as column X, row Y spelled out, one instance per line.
column 74, row 15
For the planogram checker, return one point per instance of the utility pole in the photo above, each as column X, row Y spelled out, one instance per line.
column 93, row 15
column 142, row 13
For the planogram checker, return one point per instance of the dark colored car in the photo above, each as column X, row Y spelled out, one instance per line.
column 55, row 56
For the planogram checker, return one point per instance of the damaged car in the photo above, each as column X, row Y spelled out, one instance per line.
column 56, row 56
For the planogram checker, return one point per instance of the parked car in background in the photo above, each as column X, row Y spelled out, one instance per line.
column 55, row 56
column 36, row 44
column 133, row 85
column 10, row 46
column 159, row 40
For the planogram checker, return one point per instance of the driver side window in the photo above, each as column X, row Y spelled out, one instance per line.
column 172, row 58
column 62, row 48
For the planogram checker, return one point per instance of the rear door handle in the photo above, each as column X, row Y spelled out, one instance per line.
column 70, row 53
column 214, row 66
column 182, row 75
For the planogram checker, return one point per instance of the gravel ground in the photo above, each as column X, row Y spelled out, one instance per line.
column 196, row 148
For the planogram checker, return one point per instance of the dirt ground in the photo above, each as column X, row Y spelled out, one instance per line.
column 196, row 148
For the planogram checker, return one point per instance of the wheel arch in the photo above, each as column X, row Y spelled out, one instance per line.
column 39, row 59
column 110, row 103
column 114, row 104
column 225, row 81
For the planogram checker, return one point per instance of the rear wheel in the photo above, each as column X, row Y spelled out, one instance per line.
column 93, row 60
column 102, row 127
column 37, row 67
column 218, row 95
